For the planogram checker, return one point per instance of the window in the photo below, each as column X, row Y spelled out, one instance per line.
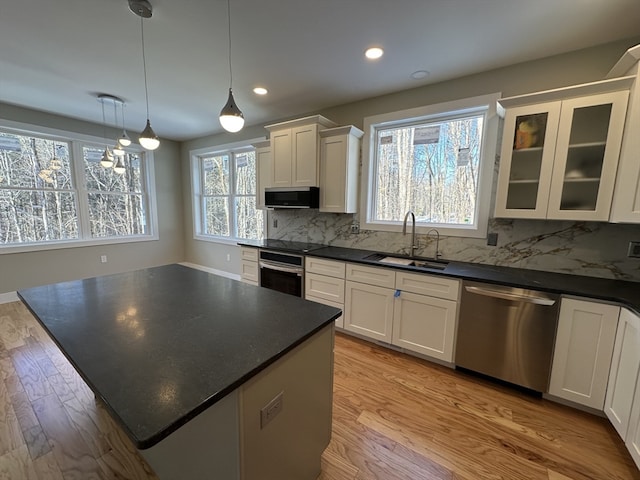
column 435, row 161
column 54, row 191
column 225, row 195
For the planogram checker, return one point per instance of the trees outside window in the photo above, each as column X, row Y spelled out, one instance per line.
column 56, row 191
column 228, row 195
column 436, row 161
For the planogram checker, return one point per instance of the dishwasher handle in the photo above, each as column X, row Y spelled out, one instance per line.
column 506, row 295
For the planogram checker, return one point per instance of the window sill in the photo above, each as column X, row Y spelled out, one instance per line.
column 445, row 231
column 36, row 247
column 221, row 240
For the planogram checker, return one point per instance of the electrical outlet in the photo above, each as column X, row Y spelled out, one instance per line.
column 634, row 250
column 492, row 239
column 355, row 228
column 228, row 257
column 275, row 223
column 271, row 410
column 103, row 258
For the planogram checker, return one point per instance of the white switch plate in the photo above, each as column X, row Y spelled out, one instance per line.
column 103, row 259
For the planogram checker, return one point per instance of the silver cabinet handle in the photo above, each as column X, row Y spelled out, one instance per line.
column 511, row 296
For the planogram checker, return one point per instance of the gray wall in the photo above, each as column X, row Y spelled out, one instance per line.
column 590, row 249
column 22, row 270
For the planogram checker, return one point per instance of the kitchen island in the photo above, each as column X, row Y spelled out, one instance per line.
column 209, row 377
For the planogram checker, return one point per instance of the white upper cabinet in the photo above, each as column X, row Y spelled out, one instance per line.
column 295, row 150
column 339, row 161
column 559, row 157
column 263, row 169
column 626, row 198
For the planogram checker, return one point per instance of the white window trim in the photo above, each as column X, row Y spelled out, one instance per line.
column 432, row 113
column 196, row 188
column 80, row 189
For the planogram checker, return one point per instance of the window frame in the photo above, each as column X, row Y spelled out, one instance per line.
column 486, row 104
column 197, row 188
column 76, row 143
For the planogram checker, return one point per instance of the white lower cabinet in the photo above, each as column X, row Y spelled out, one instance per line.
column 324, row 283
column 583, row 350
column 622, row 404
column 425, row 325
column 249, row 271
column 623, row 377
column 403, row 315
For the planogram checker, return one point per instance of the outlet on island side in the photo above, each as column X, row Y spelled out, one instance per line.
column 228, row 257
column 103, row 259
column 634, row 250
column 271, row 410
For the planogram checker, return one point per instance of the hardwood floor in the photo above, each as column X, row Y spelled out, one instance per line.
column 395, row 417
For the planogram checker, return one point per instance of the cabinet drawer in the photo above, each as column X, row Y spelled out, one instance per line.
column 325, row 267
column 250, row 254
column 249, row 272
column 321, row 286
column 381, row 277
column 431, row 285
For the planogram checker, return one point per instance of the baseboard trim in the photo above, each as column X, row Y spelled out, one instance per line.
column 9, row 297
column 221, row 273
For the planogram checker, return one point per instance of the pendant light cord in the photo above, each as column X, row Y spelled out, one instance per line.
column 144, row 66
column 104, row 123
column 229, row 27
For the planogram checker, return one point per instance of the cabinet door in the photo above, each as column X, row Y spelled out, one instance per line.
column 368, row 310
column 281, row 158
column 425, row 325
column 263, row 178
column 632, row 441
column 625, row 365
column 249, row 272
column 582, row 355
column 333, row 157
column 626, row 197
column 526, row 160
column 304, row 161
column 587, row 151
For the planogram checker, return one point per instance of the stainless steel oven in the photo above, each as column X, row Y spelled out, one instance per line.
column 283, row 272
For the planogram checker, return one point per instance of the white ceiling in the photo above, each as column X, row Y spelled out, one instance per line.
column 56, row 56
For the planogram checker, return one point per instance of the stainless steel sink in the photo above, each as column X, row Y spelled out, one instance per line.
column 408, row 261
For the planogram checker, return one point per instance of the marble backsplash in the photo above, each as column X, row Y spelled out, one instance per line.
column 583, row 248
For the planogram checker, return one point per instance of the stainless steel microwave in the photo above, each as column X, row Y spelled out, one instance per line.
column 292, row 197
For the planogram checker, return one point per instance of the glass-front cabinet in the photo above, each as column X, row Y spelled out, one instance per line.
column 559, row 158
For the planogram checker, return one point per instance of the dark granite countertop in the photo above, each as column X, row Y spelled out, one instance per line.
column 618, row 291
column 158, row 346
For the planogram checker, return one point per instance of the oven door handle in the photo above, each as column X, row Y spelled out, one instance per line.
column 280, row 268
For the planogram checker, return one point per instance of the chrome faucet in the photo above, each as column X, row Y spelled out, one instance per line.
column 437, row 254
column 413, row 231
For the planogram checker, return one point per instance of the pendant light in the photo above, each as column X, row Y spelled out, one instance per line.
column 231, row 118
column 124, row 139
column 107, row 158
column 117, row 150
column 148, row 138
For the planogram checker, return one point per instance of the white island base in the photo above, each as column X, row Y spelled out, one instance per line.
column 233, row 439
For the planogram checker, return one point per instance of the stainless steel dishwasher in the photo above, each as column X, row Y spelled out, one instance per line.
column 507, row 333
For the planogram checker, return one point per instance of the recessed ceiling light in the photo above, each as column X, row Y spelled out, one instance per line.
column 373, row 53
column 260, row 91
column 420, row 74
